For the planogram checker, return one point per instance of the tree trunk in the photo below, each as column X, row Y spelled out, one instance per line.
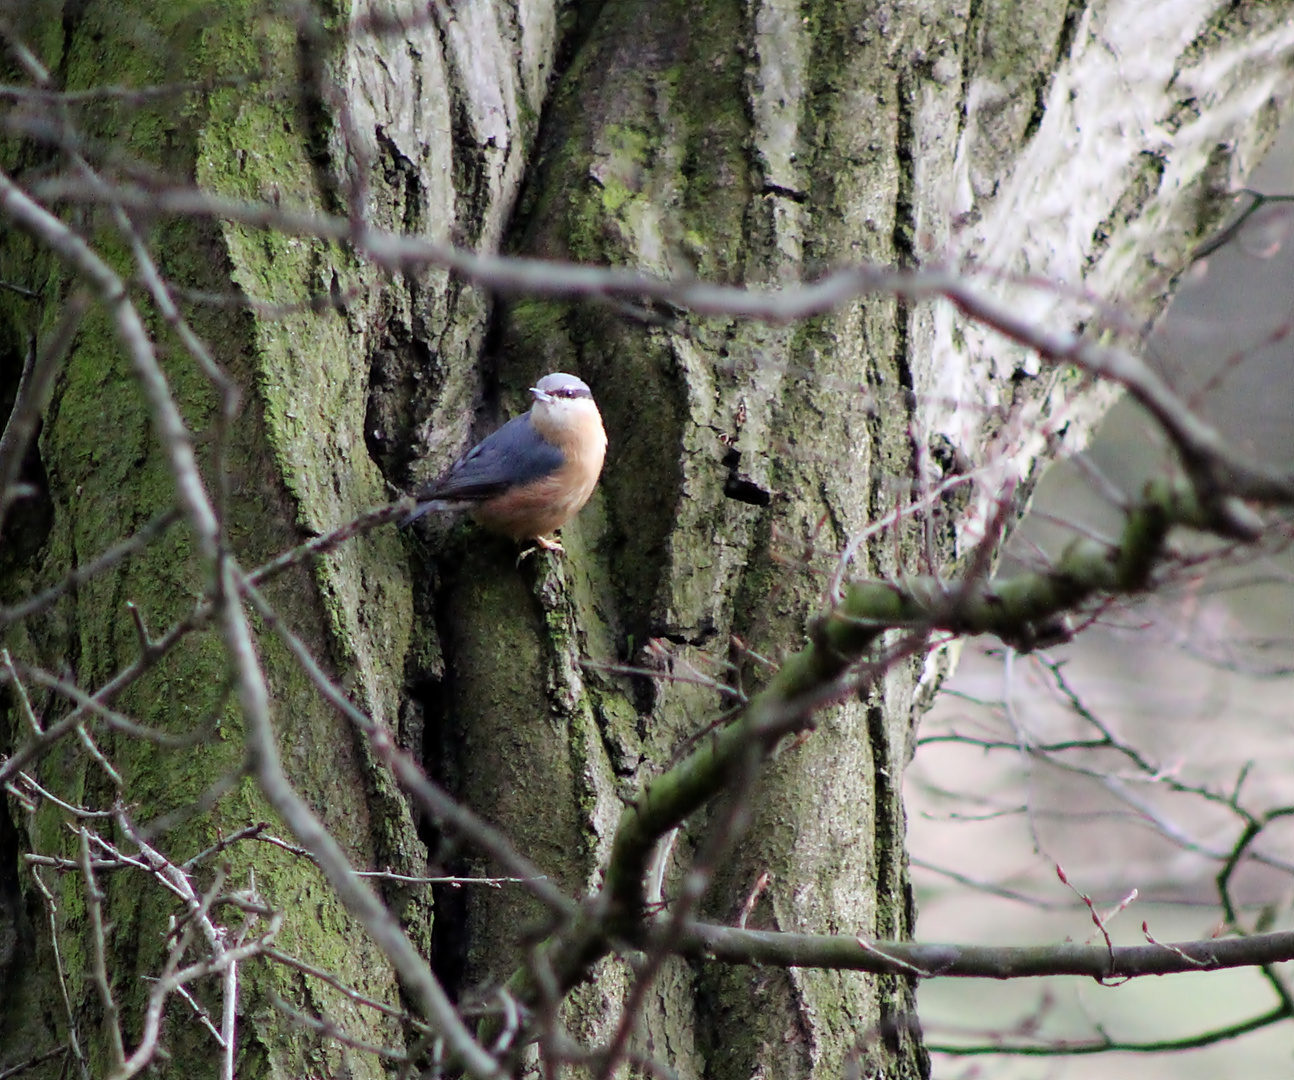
column 760, row 143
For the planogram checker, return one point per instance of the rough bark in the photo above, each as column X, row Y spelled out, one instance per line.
column 759, row 142
column 106, row 477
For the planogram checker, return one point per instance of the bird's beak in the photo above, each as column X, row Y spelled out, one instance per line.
column 540, row 395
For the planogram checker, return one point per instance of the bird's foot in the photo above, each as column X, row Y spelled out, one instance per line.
column 544, row 543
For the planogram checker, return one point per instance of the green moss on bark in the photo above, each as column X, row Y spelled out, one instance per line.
column 296, row 456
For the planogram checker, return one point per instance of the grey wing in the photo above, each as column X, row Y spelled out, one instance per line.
column 513, row 455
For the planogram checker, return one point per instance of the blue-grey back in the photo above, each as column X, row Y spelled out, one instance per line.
column 512, row 456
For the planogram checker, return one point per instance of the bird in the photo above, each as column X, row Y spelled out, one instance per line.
column 532, row 475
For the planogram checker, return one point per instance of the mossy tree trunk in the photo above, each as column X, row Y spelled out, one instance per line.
column 757, row 143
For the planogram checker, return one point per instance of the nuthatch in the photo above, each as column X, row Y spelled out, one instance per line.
column 535, row 473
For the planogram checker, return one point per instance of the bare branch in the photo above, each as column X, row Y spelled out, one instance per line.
column 842, row 952
column 94, row 906
column 1105, row 1045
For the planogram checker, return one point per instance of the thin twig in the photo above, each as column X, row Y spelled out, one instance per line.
column 99, row 963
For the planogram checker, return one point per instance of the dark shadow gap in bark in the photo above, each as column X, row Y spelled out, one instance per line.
column 391, row 411
column 431, row 697
column 30, row 518
column 15, row 938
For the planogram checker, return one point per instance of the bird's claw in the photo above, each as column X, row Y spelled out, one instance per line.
column 544, row 543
